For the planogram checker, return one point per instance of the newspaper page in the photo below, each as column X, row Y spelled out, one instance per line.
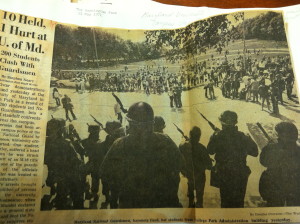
column 25, row 65
column 197, row 124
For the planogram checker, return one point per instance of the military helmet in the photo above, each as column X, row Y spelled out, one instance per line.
column 195, row 132
column 93, row 128
column 287, row 130
column 228, row 118
column 140, row 112
column 112, row 126
column 55, row 125
column 159, row 123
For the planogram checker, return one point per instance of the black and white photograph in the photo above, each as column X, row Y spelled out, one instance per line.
column 204, row 116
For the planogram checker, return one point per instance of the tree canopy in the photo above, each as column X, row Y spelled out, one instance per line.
column 85, row 47
column 215, row 32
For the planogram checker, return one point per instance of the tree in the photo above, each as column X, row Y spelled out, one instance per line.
column 188, row 41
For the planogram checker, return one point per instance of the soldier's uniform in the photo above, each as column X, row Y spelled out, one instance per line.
column 231, row 148
column 92, row 151
column 114, row 131
column 65, row 167
column 144, row 166
column 280, row 183
column 197, row 161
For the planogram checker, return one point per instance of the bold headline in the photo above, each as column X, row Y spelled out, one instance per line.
column 11, row 24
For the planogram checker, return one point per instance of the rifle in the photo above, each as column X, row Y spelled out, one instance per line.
column 181, row 132
column 264, row 132
column 125, row 111
column 209, row 122
column 76, row 142
column 98, row 122
column 73, row 134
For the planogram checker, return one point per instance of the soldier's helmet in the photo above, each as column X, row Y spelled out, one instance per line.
column 112, row 126
column 287, row 131
column 159, row 123
column 140, row 113
column 195, row 133
column 55, row 125
column 228, row 118
column 93, row 128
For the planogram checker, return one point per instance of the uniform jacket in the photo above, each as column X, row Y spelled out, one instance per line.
column 145, row 170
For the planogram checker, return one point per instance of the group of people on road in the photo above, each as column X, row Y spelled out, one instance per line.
column 252, row 77
column 265, row 82
column 139, row 166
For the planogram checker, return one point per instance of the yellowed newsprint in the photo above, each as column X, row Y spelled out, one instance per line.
column 197, row 124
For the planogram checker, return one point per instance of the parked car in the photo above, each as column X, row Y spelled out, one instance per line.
column 53, row 82
column 66, row 83
column 69, row 83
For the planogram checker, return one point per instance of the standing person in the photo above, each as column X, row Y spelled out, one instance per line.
column 82, row 85
column 144, row 165
column 177, row 96
column 65, row 167
column 197, row 161
column 289, row 82
column 248, row 89
column 215, row 76
column 265, row 95
column 281, row 87
column 274, row 98
column 280, row 183
column 91, row 81
column 56, row 96
column 77, row 84
column 114, row 130
column 231, row 148
column 235, row 87
column 147, row 87
column 171, row 96
column 227, row 86
column 56, row 179
column 92, row 151
column 68, row 106
column 211, row 89
column 254, row 89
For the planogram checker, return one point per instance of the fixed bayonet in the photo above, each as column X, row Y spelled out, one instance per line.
column 181, row 132
column 209, row 122
column 120, row 103
column 98, row 122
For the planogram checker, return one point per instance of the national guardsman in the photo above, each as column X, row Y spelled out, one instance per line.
column 143, row 165
column 197, row 161
column 65, row 167
column 92, row 151
column 231, row 148
column 280, row 183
